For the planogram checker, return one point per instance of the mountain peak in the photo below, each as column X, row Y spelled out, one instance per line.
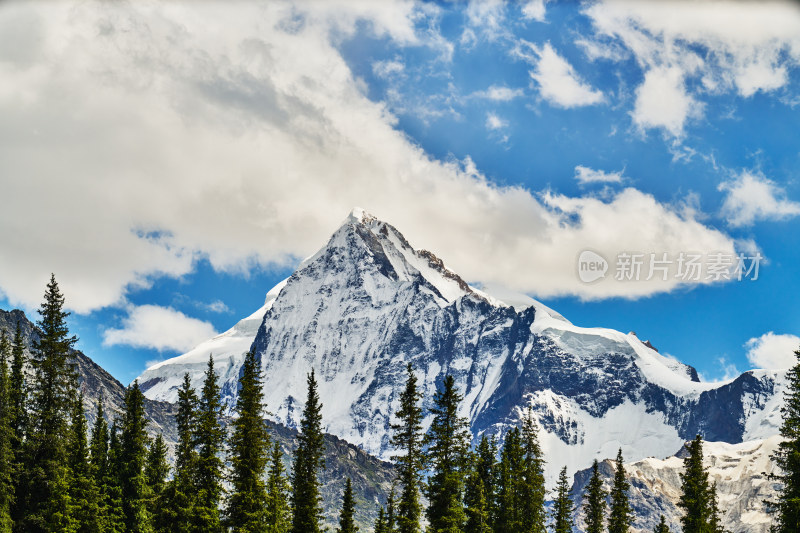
column 359, row 216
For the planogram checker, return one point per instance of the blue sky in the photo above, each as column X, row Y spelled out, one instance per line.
column 172, row 163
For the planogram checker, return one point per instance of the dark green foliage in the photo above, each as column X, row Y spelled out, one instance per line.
column 787, row 457
column 533, row 511
column 115, row 519
column 248, row 450
column 662, row 526
column 278, row 512
column 133, row 448
column 391, row 515
column 407, row 439
column 715, row 519
column 477, row 508
column 346, row 517
column 510, row 496
column 380, row 523
column 308, row 460
column 156, row 470
column 696, row 497
column 621, row 515
column 209, row 441
column 594, row 502
column 103, row 473
column 446, row 447
column 43, row 494
column 562, row 505
column 17, row 391
column 6, row 438
column 85, row 504
column 487, row 469
column 181, row 493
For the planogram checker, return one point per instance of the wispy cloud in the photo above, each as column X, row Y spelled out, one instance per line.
column 558, row 82
column 159, row 328
column 499, row 93
column 586, row 175
column 493, row 122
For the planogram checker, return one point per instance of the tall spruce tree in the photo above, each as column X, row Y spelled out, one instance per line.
column 181, row 493
column 113, row 483
column 621, row 514
column 309, row 459
column 562, row 505
column 510, row 493
column 6, row 438
column 534, row 515
column 787, row 456
column 477, row 508
column 43, row 493
column 278, row 512
column 447, row 447
column 248, row 455
column 696, row 497
column 133, row 449
column 715, row 516
column 209, row 440
column 407, row 440
column 85, row 505
column 487, row 470
column 156, row 470
column 18, row 391
column 594, row 506
column 391, row 515
column 380, row 522
column 662, row 526
column 347, row 523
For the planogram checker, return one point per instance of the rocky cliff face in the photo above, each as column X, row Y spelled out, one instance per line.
column 741, row 472
column 367, row 303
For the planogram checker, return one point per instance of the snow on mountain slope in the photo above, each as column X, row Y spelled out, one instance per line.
column 740, row 471
column 368, row 303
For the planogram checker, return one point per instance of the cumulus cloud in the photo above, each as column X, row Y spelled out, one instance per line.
column 772, row 351
column 722, row 46
column 586, row 175
column 534, row 10
column 159, row 328
column 751, row 197
column 181, row 131
column 558, row 82
column 493, row 122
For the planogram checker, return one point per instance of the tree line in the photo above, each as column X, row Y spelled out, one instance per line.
column 57, row 476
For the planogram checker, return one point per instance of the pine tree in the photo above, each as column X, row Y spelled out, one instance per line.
column 533, row 511
column 447, row 446
column 156, row 470
column 477, row 508
column 279, row 514
column 6, row 439
column 133, row 448
column 787, row 457
column 621, row 515
column 18, row 392
column 248, row 450
column 715, row 518
column 44, row 491
column 347, row 522
column 562, row 505
column 380, row 523
column 85, row 505
column 595, row 502
column 115, row 517
column 662, row 526
column 309, row 459
column 510, row 493
column 696, row 494
column 391, row 516
column 209, row 441
column 487, row 470
column 407, row 439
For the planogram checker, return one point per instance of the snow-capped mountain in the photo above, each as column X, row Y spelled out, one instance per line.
column 368, row 303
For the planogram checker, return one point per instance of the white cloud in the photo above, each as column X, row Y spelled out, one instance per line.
column 662, row 101
column 218, row 306
column 534, row 10
column 159, row 328
column 558, row 82
column 493, row 122
column 241, row 136
column 586, row 175
column 723, row 46
column 488, row 17
column 772, row 351
column 499, row 93
column 388, row 69
column 751, row 197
